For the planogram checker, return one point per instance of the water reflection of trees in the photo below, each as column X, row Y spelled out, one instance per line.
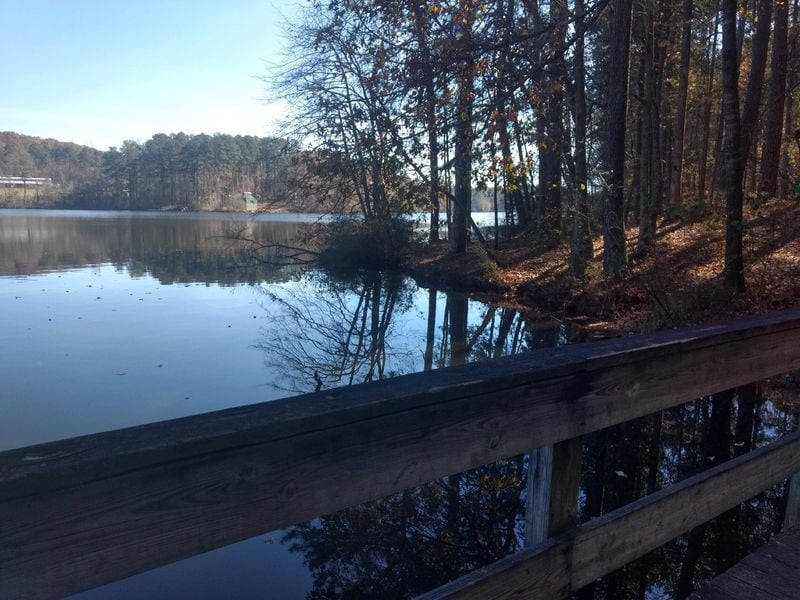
column 171, row 248
column 326, row 332
column 412, row 542
column 629, row 461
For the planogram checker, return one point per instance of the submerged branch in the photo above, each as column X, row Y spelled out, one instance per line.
column 285, row 255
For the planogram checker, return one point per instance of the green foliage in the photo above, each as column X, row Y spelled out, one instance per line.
column 366, row 245
column 167, row 171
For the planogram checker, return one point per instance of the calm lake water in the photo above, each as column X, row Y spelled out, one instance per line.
column 113, row 319
column 117, row 319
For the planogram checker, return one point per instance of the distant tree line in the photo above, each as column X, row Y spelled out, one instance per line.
column 177, row 170
column 180, row 171
column 587, row 116
column 195, row 171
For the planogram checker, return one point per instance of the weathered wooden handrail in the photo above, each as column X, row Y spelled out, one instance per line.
column 564, row 564
column 82, row 512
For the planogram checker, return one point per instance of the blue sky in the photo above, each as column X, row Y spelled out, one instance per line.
column 98, row 72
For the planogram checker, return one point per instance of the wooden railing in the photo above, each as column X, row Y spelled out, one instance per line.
column 82, row 512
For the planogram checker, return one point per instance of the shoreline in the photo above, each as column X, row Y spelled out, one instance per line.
column 678, row 283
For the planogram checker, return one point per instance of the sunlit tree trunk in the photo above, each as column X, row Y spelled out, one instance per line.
column 554, row 125
column 516, row 182
column 751, row 108
column 581, row 248
column 614, row 260
column 462, row 163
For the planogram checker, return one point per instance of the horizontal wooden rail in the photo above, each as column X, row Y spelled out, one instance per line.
column 82, row 512
column 564, row 564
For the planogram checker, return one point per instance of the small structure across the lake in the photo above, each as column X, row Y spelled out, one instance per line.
column 250, row 202
column 23, row 181
column 238, row 202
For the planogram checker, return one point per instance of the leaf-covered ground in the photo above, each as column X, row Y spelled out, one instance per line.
column 677, row 283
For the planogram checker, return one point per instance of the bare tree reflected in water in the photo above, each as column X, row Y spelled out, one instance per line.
column 414, row 541
column 405, row 544
column 328, row 333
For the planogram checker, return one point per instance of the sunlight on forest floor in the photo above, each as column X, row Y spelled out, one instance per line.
column 677, row 283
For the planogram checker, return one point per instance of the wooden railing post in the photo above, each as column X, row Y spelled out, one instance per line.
column 553, row 486
column 792, row 517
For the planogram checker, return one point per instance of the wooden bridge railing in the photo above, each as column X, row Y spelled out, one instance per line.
column 78, row 513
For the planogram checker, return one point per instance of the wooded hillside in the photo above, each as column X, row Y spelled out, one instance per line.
column 69, row 166
column 178, row 171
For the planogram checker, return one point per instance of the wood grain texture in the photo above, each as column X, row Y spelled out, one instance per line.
column 771, row 573
column 537, row 507
column 554, row 479
column 613, row 540
column 792, row 517
column 565, row 486
column 82, row 512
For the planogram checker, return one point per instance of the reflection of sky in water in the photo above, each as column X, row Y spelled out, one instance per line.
column 115, row 320
column 105, row 325
column 94, row 349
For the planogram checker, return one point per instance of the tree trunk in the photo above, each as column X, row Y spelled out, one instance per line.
column 703, row 167
column 429, row 84
column 661, row 95
column 551, row 156
column 676, row 183
column 733, row 146
column 614, row 261
column 776, row 97
column 647, row 171
column 581, row 248
column 784, row 183
column 462, row 162
column 755, row 81
column 516, row 182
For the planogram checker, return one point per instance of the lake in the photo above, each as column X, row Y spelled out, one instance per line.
column 113, row 319
column 117, row 319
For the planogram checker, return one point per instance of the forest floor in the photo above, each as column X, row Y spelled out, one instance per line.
column 677, row 283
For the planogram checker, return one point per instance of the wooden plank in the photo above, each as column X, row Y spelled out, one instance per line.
column 554, row 481
column 792, row 517
column 86, row 511
column 537, row 508
column 86, row 458
column 566, row 484
column 613, row 540
column 772, row 572
column 538, row 573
